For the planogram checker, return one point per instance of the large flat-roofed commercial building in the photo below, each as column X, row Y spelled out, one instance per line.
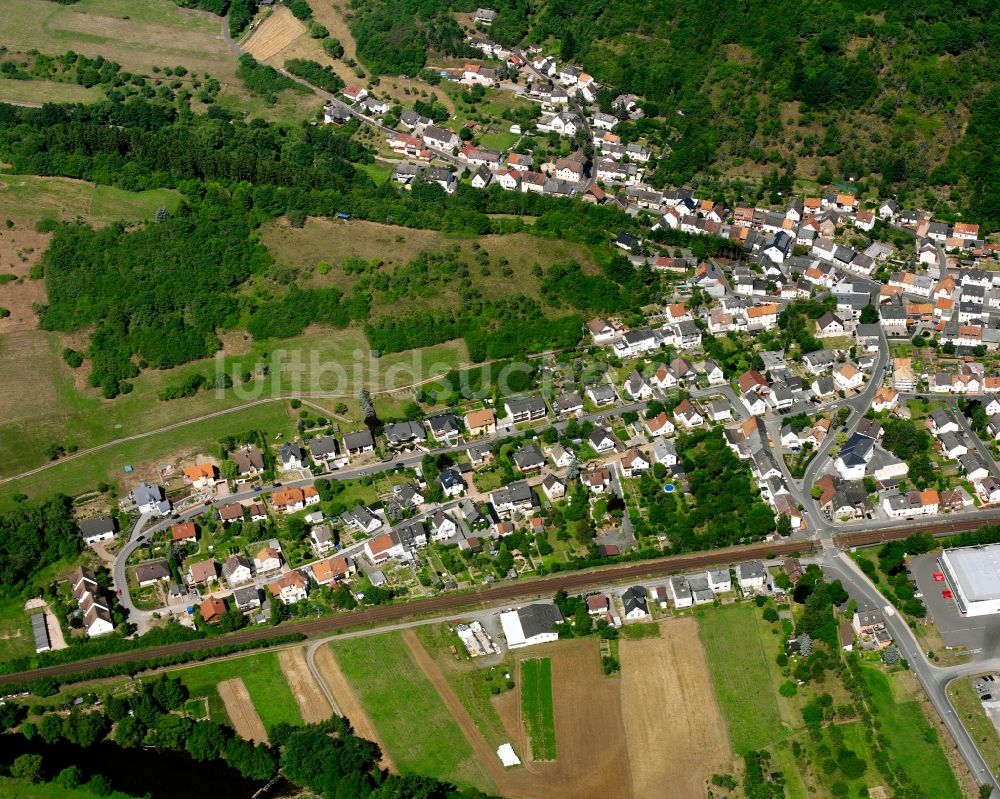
column 532, row 624
column 973, row 574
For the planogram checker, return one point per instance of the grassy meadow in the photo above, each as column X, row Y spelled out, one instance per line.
column 742, row 665
column 411, row 718
column 913, row 743
column 263, row 678
column 333, row 241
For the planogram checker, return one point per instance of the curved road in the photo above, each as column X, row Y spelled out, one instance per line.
column 933, row 679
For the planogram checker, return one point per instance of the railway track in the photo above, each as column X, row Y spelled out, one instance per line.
column 383, row 614
column 937, row 529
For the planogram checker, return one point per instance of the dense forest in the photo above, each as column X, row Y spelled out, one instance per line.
column 33, row 537
column 868, row 89
column 394, row 36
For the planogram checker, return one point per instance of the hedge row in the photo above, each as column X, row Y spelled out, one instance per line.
column 49, row 685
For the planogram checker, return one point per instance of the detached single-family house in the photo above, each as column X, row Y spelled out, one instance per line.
column 481, row 423
column 322, row 539
column 601, row 440
column 326, row 571
column 553, row 487
column 147, row 574
column 151, row 499
column 452, row 483
column 290, row 588
column 237, row 570
column 267, row 560
column 204, row 571
column 97, row 529
column 634, row 603
column 752, row 576
column 359, row 443
column 201, row 475
column 292, row 456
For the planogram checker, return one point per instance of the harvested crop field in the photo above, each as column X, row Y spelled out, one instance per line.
column 138, row 35
column 593, row 757
column 313, row 705
column 667, row 695
column 274, row 34
column 348, row 702
column 241, row 711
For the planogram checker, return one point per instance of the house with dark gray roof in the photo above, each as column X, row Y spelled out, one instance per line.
column 292, row 456
column 634, row 603
column 359, row 442
column 99, row 528
column 401, row 434
column 524, row 409
column 445, row 427
column 529, row 459
column 323, row 448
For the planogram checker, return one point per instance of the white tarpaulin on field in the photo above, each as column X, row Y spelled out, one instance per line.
column 507, row 756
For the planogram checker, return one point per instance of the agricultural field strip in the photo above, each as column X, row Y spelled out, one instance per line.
column 536, row 703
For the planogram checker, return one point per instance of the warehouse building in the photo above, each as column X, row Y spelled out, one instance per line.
column 532, row 624
column 973, row 574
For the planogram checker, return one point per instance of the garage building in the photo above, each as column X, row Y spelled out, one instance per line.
column 532, row 624
column 973, row 574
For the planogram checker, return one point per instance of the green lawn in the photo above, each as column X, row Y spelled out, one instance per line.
column 19, row 789
column 263, row 678
column 499, row 141
column 378, row 171
column 15, row 630
column 414, row 723
column 536, row 707
column 82, row 474
column 741, row 659
column 913, row 743
column 29, row 196
column 137, row 35
column 58, row 410
column 970, row 710
column 46, row 91
column 471, row 683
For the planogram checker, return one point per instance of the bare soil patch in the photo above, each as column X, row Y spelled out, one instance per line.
column 667, row 695
column 312, row 703
column 349, row 703
column 241, row 711
column 590, row 734
column 274, row 34
column 20, row 249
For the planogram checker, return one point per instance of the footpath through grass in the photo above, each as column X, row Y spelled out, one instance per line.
column 536, row 707
column 418, row 732
column 740, row 662
column 912, row 741
column 473, row 684
column 263, row 678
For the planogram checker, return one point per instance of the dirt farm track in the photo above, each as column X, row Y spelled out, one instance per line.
column 507, row 591
column 240, row 709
